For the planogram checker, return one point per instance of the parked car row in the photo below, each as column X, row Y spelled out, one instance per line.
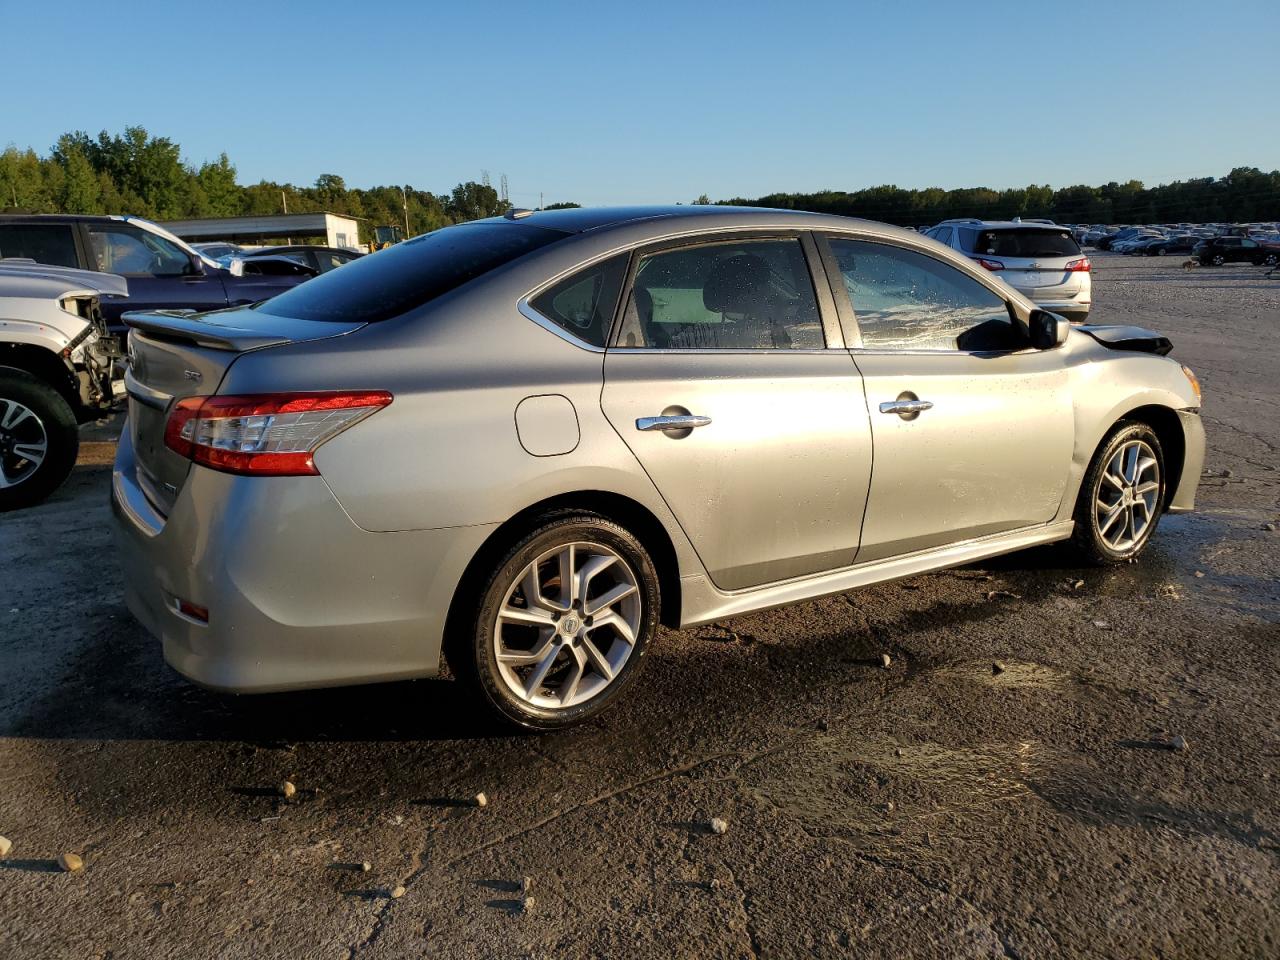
column 163, row 271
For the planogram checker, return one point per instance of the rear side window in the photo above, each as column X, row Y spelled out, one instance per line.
column 1024, row 242
column 392, row 281
column 741, row 295
column 44, row 243
column 583, row 303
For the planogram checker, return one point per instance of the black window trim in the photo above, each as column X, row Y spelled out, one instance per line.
column 827, row 314
column 848, row 316
column 525, row 304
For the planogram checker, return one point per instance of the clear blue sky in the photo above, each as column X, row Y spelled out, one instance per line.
column 655, row 102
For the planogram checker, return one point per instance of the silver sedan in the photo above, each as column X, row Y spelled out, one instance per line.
column 523, row 443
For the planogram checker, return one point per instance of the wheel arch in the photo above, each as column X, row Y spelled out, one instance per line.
column 623, row 510
column 1173, row 443
column 44, row 365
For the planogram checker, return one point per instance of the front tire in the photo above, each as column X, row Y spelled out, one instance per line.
column 39, row 439
column 1218, row 261
column 1122, row 496
column 561, row 625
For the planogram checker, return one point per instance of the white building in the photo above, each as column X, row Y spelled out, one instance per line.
column 334, row 230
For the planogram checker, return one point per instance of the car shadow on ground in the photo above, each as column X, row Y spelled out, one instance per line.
column 118, row 688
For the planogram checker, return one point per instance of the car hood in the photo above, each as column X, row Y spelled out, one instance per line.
column 19, row 274
column 1138, row 339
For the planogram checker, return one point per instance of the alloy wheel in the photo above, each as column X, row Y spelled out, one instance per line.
column 567, row 625
column 1128, row 496
column 24, row 442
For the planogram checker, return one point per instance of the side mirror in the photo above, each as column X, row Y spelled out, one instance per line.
column 195, row 266
column 235, row 267
column 1048, row 330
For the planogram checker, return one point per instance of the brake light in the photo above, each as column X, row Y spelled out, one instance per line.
column 1078, row 266
column 270, row 434
column 990, row 264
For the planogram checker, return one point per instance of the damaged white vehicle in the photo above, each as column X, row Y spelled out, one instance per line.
column 57, row 371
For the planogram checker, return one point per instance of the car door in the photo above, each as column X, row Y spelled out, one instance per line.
column 159, row 272
column 973, row 430
column 753, row 430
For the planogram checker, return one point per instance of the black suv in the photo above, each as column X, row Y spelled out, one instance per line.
column 1220, row 250
column 163, row 271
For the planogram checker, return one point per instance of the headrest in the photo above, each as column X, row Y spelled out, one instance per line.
column 737, row 285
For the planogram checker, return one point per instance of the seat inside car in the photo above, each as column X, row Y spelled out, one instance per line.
column 739, row 290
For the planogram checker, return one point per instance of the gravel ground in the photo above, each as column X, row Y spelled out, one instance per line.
column 934, row 808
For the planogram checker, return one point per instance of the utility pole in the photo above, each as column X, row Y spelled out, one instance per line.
column 539, row 199
column 404, row 196
column 506, row 202
column 284, row 201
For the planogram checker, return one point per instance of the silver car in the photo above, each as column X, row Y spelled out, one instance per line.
column 525, row 442
column 1038, row 258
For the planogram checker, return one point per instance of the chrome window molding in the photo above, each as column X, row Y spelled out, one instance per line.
column 546, row 323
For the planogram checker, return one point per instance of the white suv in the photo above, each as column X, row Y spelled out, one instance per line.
column 1038, row 258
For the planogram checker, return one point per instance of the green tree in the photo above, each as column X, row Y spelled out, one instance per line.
column 225, row 198
column 474, row 201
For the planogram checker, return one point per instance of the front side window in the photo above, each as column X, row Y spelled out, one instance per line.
column 908, row 301
column 44, row 243
column 119, row 248
column 737, row 295
column 583, row 304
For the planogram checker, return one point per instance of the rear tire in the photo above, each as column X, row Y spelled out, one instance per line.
column 1121, row 498
column 1218, row 261
column 543, row 657
column 39, row 439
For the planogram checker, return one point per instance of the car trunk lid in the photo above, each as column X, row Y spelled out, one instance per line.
column 174, row 355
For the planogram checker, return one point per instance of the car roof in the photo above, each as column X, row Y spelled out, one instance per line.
column 709, row 216
column 1005, row 224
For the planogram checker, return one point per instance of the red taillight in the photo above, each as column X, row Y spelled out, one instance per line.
column 1079, row 266
column 271, row 434
column 990, row 264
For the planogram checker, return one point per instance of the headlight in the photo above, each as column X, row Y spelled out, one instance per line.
column 1193, row 380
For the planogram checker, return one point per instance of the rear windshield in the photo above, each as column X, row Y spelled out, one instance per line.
column 1021, row 242
column 392, row 281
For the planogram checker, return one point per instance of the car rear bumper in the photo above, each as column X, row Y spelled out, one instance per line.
column 1077, row 311
column 1183, row 499
column 297, row 595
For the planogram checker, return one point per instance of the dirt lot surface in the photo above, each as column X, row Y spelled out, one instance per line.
column 933, row 808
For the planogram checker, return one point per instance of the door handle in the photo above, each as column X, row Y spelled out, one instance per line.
column 905, row 406
column 679, row 422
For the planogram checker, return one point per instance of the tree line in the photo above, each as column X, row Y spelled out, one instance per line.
column 137, row 173
column 143, row 175
column 1245, row 194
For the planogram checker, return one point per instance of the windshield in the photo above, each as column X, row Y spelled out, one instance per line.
column 395, row 280
column 1022, row 242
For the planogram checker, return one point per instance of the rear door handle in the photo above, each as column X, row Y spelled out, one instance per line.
column 905, row 406
column 681, row 422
